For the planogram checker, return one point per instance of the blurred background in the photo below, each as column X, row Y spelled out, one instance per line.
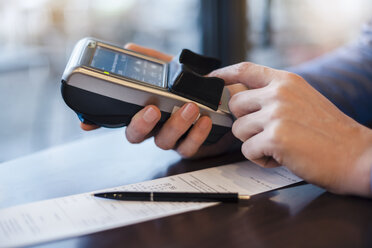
column 36, row 38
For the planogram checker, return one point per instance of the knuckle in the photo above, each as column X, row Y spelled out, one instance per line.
column 196, row 139
column 233, row 103
column 177, row 129
column 246, row 154
column 284, row 87
column 246, row 150
column 199, row 139
column 169, row 134
column 235, row 129
column 236, row 104
column 291, row 77
column 243, row 66
column 163, row 143
column 264, row 70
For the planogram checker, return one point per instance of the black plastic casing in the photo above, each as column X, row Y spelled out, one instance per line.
column 112, row 113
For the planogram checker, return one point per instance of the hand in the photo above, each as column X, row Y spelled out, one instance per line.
column 143, row 123
column 282, row 120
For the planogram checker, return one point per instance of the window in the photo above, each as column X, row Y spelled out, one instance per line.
column 36, row 38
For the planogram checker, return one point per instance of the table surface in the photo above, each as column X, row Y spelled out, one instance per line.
column 300, row 216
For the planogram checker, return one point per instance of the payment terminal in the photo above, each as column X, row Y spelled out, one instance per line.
column 107, row 85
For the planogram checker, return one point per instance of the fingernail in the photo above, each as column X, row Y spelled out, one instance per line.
column 150, row 115
column 188, row 112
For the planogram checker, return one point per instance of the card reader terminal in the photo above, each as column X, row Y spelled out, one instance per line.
column 107, row 85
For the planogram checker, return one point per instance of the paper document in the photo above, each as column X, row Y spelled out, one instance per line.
column 83, row 214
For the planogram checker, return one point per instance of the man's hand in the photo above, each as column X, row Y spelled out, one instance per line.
column 282, row 120
column 168, row 137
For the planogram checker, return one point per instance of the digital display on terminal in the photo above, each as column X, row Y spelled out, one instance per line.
column 128, row 66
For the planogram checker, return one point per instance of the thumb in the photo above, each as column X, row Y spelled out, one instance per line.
column 246, row 73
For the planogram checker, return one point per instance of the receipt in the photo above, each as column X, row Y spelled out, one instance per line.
column 81, row 214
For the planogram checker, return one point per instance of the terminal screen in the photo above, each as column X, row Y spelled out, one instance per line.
column 128, row 66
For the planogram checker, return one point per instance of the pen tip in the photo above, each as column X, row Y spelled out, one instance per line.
column 103, row 195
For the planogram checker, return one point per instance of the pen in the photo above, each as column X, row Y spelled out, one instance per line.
column 172, row 196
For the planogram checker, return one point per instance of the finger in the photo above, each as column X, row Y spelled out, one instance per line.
column 236, row 88
column 88, row 127
column 142, row 123
column 259, row 150
column 246, row 73
column 176, row 126
column 249, row 125
column 246, row 102
column 195, row 138
column 148, row 51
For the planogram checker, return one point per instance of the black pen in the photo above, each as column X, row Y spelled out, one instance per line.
column 172, row 196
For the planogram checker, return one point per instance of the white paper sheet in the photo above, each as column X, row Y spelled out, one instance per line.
column 83, row 214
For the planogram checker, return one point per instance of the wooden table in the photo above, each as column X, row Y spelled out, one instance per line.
column 301, row 216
